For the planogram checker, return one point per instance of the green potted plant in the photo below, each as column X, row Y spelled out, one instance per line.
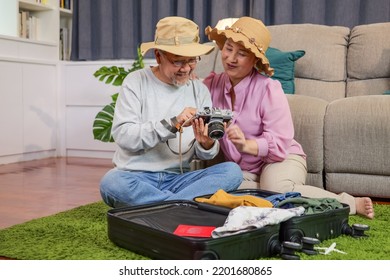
column 111, row 75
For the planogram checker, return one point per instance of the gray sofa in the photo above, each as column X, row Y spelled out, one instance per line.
column 340, row 112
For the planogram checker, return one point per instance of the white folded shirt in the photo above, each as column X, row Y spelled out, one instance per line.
column 245, row 218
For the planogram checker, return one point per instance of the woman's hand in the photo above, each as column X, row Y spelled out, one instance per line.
column 237, row 137
column 201, row 133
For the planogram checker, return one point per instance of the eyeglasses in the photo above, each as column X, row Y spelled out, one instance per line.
column 181, row 63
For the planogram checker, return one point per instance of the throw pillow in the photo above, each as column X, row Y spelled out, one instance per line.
column 387, row 92
column 284, row 66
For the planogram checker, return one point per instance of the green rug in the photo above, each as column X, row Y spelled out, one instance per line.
column 81, row 234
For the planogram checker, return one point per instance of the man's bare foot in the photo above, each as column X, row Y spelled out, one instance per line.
column 364, row 207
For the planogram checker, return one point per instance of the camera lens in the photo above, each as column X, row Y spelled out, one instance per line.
column 216, row 130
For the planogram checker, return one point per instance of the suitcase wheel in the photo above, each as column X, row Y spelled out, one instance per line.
column 290, row 257
column 295, row 235
column 356, row 230
column 206, row 255
column 288, row 250
column 308, row 245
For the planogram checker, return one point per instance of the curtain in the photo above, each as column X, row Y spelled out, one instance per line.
column 113, row 29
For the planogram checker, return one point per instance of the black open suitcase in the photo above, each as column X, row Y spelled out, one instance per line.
column 148, row 230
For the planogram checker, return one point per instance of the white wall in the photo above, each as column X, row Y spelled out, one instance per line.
column 28, row 107
column 83, row 97
column 48, row 106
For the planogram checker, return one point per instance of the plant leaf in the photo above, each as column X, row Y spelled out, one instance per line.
column 111, row 75
column 103, row 124
column 114, row 97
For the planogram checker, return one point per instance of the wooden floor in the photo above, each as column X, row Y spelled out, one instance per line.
column 39, row 188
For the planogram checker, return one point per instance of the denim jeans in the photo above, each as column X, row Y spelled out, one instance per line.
column 129, row 188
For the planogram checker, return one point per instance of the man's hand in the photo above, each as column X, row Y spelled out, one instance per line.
column 185, row 116
column 201, row 132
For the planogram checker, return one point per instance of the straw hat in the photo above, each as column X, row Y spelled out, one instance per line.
column 251, row 33
column 179, row 36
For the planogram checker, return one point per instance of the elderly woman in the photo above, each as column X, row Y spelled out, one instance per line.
column 261, row 136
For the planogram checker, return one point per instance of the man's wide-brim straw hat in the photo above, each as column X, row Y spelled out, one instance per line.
column 179, row 36
column 251, row 33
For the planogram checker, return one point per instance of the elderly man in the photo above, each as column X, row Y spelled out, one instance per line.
column 156, row 129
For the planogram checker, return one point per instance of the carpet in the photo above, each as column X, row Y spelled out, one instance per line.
column 81, row 234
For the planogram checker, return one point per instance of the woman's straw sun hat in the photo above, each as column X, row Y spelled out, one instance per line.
column 251, row 33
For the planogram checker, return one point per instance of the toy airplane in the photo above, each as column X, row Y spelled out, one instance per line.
column 328, row 250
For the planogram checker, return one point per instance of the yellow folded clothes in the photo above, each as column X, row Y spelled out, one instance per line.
column 222, row 198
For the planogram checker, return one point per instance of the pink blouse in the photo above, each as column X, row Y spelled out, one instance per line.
column 262, row 112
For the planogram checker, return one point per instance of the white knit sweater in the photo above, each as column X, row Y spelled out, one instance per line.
column 138, row 132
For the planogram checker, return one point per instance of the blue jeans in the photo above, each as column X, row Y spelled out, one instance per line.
column 128, row 188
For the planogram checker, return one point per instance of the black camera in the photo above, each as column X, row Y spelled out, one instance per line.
column 215, row 117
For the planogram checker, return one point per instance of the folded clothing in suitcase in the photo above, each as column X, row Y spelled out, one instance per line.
column 156, row 231
column 322, row 226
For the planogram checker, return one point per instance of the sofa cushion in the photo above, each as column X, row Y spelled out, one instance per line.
column 308, row 117
column 357, row 131
column 324, row 61
column 357, row 146
column 284, row 65
column 367, row 87
column 327, row 91
column 369, row 51
column 368, row 59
